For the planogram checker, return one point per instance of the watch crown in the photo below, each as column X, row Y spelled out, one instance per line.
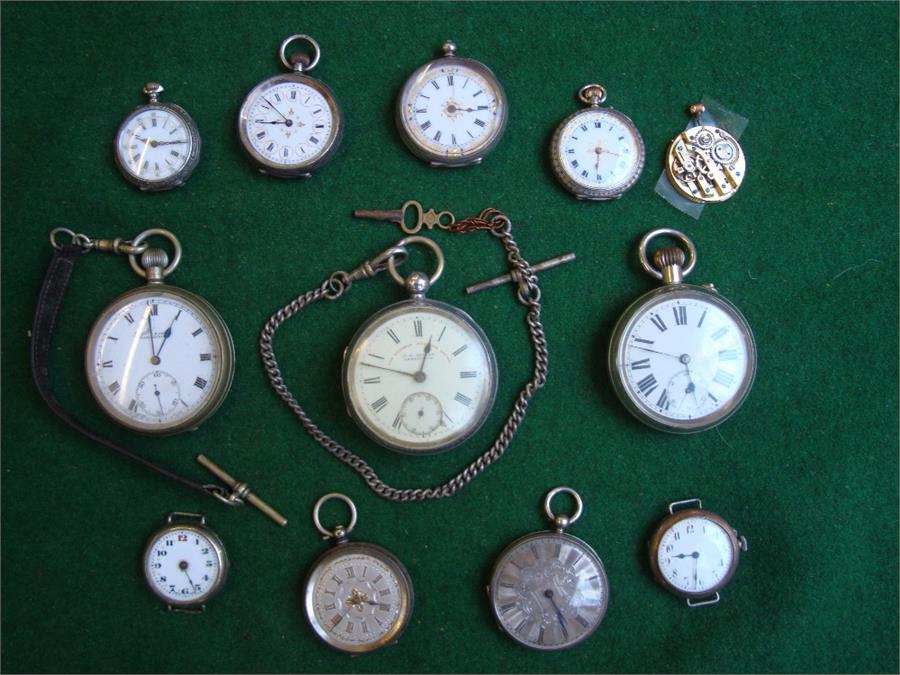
column 153, row 90
column 669, row 261
column 154, row 261
column 449, row 48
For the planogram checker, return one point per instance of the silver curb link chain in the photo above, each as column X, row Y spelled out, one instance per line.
column 340, row 283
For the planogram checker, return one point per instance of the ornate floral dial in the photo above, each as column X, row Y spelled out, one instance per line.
column 419, row 377
column 549, row 591
column 158, row 361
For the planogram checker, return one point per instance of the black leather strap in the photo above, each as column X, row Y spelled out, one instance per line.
column 52, row 292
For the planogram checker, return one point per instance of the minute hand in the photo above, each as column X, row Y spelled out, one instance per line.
column 656, row 352
column 399, row 372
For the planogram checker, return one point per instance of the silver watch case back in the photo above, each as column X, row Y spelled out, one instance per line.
column 224, row 342
column 596, row 194
column 301, row 169
column 444, row 160
column 176, row 180
column 405, row 307
column 618, row 342
column 339, row 550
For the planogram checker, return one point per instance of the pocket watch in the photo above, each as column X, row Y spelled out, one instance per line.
column 597, row 153
column 549, row 589
column 157, row 146
column 694, row 553
column 682, row 358
column 451, row 111
column 290, row 125
column 358, row 596
column 705, row 163
column 419, row 376
column 159, row 359
column 185, row 562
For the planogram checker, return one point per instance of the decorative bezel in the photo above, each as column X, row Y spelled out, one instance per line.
column 178, row 178
column 218, row 547
column 220, row 334
column 666, row 525
column 436, row 159
column 522, row 541
column 302, row 169
column 389, row 559
column 410, row 307
column 595, row 194
column 619, row 340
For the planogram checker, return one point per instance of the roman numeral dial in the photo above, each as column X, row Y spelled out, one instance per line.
column 685, row 357
column 159, row 362
column 155, row 146
column 419, row 377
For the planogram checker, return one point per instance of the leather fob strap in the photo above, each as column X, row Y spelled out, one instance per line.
column 52, row 292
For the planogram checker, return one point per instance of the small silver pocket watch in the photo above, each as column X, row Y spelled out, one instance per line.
column 159, row 359
column 682, row 358
column 157, row 146
column 358, row 596
column 419, row 376
column 291, row 124
column 705, row 163
column 185, row 562
column 597, row 153
column 451, row 111
column 549, row 589
column 694, row 553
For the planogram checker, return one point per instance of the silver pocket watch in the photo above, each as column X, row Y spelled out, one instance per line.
column 157, row 146
column 682, row 358
column 451, row 111
column 159, row 359
column 419, row 376
column 291, row 124
column 358, row 596
column 694, row 553
column 185, row 563
column 548, row 589
column 597, row 153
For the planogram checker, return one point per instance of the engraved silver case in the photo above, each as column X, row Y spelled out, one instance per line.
column 438, row 159
column 383, row 555
column 410, row 307
column 300, row 169
column 595, row 194
column 618, row 343
column 563, row 538
column 218, row 548
column 224, row 343
column 177, row 179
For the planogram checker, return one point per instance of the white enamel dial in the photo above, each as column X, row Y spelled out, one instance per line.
column 419, row 377
column 453, row 111
column 154, row 144
column 599, row 149
column 358, row 599
column 184, row 565
column 157, row 361
column 695, row 555
column 549, row 591
column 686, row 357
column 289, row 124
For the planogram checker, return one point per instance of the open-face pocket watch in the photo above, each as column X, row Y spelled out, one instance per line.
column 291, row 124
column 358, row 596
column 694, row 553
column 419, row 376
column 159, row 359
column 185, row 562
column 597, row 153
column 451, row 111
column 682, row 358
column 157, row 146
column 549, row 590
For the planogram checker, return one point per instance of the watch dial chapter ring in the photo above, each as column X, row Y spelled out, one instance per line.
column 667, row 523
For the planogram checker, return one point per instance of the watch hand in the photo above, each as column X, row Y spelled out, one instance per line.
column 425, row 352
column 559, row 617
column 275, row 122
column 276, row 110
column 401, row 372
column 159, row 403
column 166, row 336
column 150, row 324
column 189, row 579
column 656, row 352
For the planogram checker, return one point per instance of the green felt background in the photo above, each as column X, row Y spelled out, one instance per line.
column 808, row 250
